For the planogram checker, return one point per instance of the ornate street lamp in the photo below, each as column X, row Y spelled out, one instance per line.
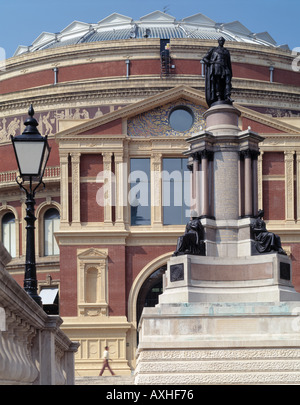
column 32, row 152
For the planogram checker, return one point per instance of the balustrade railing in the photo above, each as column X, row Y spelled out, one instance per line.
column 10, row 176
column 33, row 348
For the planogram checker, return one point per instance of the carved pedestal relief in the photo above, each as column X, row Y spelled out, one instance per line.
column 92, row 282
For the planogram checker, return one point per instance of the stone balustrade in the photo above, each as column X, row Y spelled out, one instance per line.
column 33, row 349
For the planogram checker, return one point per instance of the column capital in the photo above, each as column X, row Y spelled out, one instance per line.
column 196, row 156
column 119, row 157
column 249, row 154
column 289, row 155
column 107, row 157
column 207, row 154
column 75, row 157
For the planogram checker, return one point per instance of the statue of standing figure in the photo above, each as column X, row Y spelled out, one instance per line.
column 218, row 75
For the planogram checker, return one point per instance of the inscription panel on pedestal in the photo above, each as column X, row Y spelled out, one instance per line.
column 177, row 272
column 285, row 271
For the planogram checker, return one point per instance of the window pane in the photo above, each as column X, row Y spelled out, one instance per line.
column 51, row 225
column 139, row 196
column 176, row 191
column 55, row 229
column 12, row 227
column 9, row 233
column 48, row 237
column 181, row 119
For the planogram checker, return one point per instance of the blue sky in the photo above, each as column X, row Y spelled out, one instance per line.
column 22, row 21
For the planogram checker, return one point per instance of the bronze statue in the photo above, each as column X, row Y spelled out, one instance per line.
column 192, row 241
column 218, row 75
column 264, row 240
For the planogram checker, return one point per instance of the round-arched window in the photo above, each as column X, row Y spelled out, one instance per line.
column 181, row 118
column 9, row 233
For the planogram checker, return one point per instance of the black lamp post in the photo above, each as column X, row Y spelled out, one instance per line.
column 32, row 152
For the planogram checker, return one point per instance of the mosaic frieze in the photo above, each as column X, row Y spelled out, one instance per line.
column 156, row 122
column 48, row 120
column 277, row 112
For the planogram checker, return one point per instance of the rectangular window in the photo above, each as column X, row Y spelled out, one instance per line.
column 176, row 191
column 139, row 195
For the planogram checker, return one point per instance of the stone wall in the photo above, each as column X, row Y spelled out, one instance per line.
column 33, row 349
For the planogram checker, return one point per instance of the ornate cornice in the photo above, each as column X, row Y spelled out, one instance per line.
column 122, row 91
column 263, row 119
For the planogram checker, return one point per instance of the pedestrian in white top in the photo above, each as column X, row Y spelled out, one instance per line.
column 106, row 362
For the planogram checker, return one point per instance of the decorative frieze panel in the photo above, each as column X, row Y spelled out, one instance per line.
column 49, row 120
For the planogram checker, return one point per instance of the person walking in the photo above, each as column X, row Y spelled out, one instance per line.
column 106, row 362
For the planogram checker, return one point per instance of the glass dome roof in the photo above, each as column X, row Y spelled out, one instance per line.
column 154, row 25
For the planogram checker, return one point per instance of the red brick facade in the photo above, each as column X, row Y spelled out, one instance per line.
column 86, row 115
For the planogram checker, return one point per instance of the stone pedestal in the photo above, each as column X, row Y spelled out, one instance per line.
column 195, row 279
column 222, row 321
column 229, row 317
column 220, row 343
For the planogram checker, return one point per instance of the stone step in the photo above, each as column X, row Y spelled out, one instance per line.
column 105, row 380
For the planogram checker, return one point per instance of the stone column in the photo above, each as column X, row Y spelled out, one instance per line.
column 248, row 183
column 64, row 188
column 156, row 189
column 226, row 203
column 195, row 197
column 206, row 179
column 260, row 180
column 121, row 177
column 75, row 159
column 241, row 175
column 222, row 122
column 255, row 181
column 190, row 167
column 298, row 184
column 289, row 186
column 108, row 187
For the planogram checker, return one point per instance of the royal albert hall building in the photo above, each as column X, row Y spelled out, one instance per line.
column 118, row 99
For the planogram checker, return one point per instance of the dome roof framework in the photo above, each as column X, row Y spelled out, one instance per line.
column 154, row 25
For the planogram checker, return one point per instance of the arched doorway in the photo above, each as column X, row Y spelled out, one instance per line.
column 145, row 290
column 150, row 291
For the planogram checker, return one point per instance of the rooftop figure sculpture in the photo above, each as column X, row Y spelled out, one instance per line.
column 218, row 75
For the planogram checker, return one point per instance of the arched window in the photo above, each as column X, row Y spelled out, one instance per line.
column 51, row 225
column 9, row 233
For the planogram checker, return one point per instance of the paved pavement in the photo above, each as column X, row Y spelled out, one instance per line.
column 105, row 380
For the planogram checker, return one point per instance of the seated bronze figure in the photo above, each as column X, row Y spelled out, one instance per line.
column 192, row 241
column 265, row 241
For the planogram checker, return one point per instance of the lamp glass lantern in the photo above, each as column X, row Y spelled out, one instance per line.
column 32, row 150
